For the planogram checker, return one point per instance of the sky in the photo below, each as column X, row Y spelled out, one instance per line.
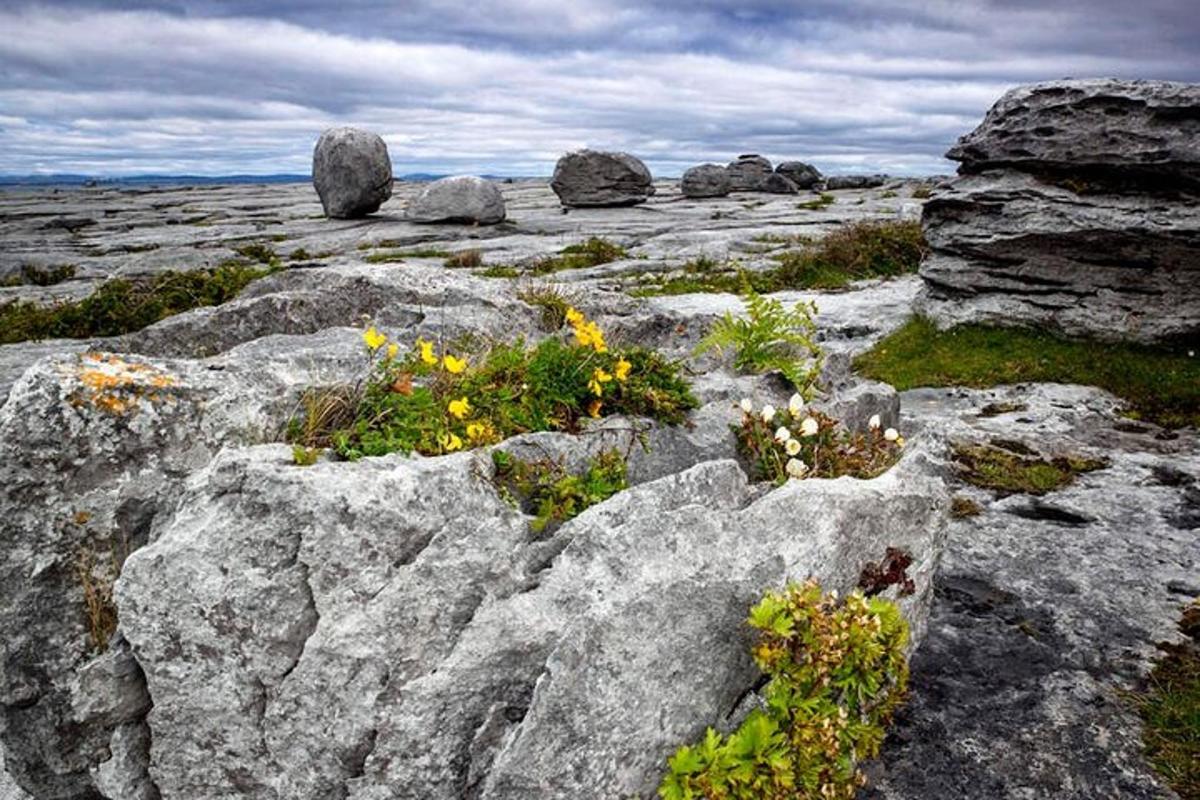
column 503, row 87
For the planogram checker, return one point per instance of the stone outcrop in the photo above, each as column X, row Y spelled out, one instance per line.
column 837, row 182
column 462, row 198
column 594, row 178
column 705, row 180
column 748, row 173
column 1075, row 210
column 351, row 172
column 805, row 176
column 777, row 183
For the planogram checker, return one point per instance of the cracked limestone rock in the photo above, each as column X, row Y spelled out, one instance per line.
column 462, row 198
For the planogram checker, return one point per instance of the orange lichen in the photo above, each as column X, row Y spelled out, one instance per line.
column 116, row 386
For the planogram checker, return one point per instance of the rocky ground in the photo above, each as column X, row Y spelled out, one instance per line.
column 1044, row 610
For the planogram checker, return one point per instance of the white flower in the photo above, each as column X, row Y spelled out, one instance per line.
column 796, row 405
column 768, row 413
column 782, row 435
column 874, row 422
column 891, row 434
column 792, row 447
column 796, row 468
column 809, row 427
column 746, row 405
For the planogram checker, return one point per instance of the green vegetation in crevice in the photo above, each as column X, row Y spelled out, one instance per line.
column 1009, row 468
column 35, row 275
column 1170, row 711
column 256, row 252
column 963, row 507
column 1157, row 385
column 858, row 251
column 465, row 259
column 553, row 495
column 96, row 571
column 837, row 673
column 819, row 203
column 590, row 253
column 552, row 300
column 122, row 305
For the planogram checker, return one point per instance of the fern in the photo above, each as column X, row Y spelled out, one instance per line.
column 770, row 337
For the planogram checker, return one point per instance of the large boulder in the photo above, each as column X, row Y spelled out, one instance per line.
column 777, row 183
column 352, row 172
column 348, row 629
column 836, row 182
column 463, row 198
column 594, row 178
column 805, row 176
column 705, row 180
column 1076, row 210
column 748, row 173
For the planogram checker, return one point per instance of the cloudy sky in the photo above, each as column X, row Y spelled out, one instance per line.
column 505, row 86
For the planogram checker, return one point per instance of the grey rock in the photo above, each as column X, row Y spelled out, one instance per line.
column 748, row 173
column 124, row 774
column 594, row 178
column 705, row 180
column 110, row 689
column 8, row 789
column 464, row 198
column 838, row 182
column 351, row 172
column 402, row 602
column 777, row 183
column 1140, row 132
column 805, row 176
column 1010, row 249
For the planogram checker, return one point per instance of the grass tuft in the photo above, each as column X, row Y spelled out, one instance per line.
column 1170, row 712
column 1157, row 385
column 553, row 495
column 465, row 259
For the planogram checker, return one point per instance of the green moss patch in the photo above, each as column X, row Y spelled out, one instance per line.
column 34, row 275
column 121, row 306
column 1170, row 711
column 1157, row 385
column 554, row 495
column 823, row 201
column 1002, row 469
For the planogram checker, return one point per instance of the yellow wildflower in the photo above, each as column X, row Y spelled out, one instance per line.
column 588, row 334
column 427, row 352
column 393, row 349
column 476, row 431
column 454, row 365
column 622, row 369
column 450, row 443
column 573, row 316
column 599, row 378
column 460, row 408
column 594, row 408
column 373, row 338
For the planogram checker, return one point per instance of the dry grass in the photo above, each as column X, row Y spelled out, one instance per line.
column 465, row 259
column 97, row 573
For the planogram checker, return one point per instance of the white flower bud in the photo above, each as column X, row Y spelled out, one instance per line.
column 746, row 405
column 809, row 427
column 796, row 468
column 782, row 435
column 874, row 422
column 796, row 405
column 891, row 434
column 792, row 447
column 768, row 413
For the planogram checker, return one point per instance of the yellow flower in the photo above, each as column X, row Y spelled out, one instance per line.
column 427, row 352
column 454, row 365
column 450, row 443
column 594, row 408
column 599, row 378
column 373, row 338
column 393, row 349
column 476, row 431
column 573, row 316
column 622, row 369
column 460, row 408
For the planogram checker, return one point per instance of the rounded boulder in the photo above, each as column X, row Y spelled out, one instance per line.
column 351, row 172
column 705, row 180
column 594, row 178
column 462, row 198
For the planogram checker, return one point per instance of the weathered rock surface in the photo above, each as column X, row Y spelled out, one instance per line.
column 1115, row 130
column 805, row 176
column 748, row 173
column 1047, row 609
column 838, row 182
column 705, row 180
column 463, row 198
column 1077, row 210
column 352, row 172
column 777, row 183
column 593, row 178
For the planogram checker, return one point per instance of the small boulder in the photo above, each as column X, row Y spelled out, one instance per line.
column 779, row 184
column 855, row 181
column 805, row 176
column 593, row 178
column 706, row 180
column 351, row 172
column 748, row 173
column 463, row 198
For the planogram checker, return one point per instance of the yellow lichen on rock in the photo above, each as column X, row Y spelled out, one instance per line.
column 116, row 386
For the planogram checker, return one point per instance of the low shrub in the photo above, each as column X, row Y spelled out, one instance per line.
column 434, row 402
column 552, row 494
column 837, row 673
column 797, row 442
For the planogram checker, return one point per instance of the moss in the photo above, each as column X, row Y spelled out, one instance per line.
column 34, row 275
column 120, row 306
column 1170, row 712
column 1157, row 385
column 257, row 252
column 823, row 201
column 1000, row 469
column 922, row 193
column 553, row 495
column 305, row 456
column 500, row 271
column 963, row 507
